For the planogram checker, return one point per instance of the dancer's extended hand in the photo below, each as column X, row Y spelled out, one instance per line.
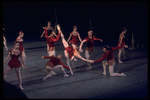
column 80, row 50
column 91, row 61
column 58, row 27
column 43, row 27
column 24, row 67
column 126, row 46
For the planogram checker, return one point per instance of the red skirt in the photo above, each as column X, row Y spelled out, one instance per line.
column 14, row 64
column 74, row 42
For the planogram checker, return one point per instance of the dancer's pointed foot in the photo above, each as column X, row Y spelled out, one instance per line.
column 66, row 75
column 122, row 74
column 71, row 71
column 104, row 73
column 120, row 61
column 21, row 87
column 89, row 68
column 49, row 75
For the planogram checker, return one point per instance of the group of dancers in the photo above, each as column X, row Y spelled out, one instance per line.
column 71, row 52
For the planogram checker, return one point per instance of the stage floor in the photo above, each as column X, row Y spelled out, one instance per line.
column 83, row 84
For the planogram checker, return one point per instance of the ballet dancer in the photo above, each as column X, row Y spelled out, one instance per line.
column 120, row 42
column 75, row 36
column 110, row 60
column 50, row 41
column 54, row 63
column 4, row 42
column 15, row 53
column 90, row 45
column 48, row 28
column 69, row 51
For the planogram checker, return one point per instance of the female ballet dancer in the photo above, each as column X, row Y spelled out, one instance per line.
column 90, row 45
column 4, row 41
column 48, row 28
column 120, row 42
column 74, row 35
column 69, row 51
column 54, row 63
column 15, row 53
column 50, row 41
column 110, row 60
column 20, row 40
column 49, row 32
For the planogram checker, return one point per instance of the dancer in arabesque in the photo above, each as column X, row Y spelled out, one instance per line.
column 69, row 51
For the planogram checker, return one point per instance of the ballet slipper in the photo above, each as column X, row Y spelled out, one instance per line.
column 71, row 71
column 120, row 61
column 66, row 75
column 49, row 75
column 89, row 68
column 104, row 73
column 122, row 74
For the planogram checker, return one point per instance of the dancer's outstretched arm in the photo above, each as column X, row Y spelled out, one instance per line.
column 97, row 39
column 43, row 31
column 77, row 54
column 80, row 47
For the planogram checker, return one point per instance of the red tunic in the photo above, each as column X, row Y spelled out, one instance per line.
column 70, row 50
column 51, row 40
column 55, row 61
column 109, row 54
column 90, row 42
column 74, row 38
column 14, row 62
column 121, row 36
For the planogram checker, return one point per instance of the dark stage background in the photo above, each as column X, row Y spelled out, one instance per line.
column 107, row 19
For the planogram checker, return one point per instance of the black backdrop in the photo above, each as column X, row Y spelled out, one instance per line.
column 107, row 18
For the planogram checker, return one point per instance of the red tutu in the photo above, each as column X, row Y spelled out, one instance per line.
column 74, row 42
column 70, row 50
column 14, row 62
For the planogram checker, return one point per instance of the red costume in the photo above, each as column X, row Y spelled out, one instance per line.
column 90, row 43
column 121, row 36
column 74, row 38
column 55, row 61
column 51, row 40
column 14, row 62
column 109, row 54
column 70, row 50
